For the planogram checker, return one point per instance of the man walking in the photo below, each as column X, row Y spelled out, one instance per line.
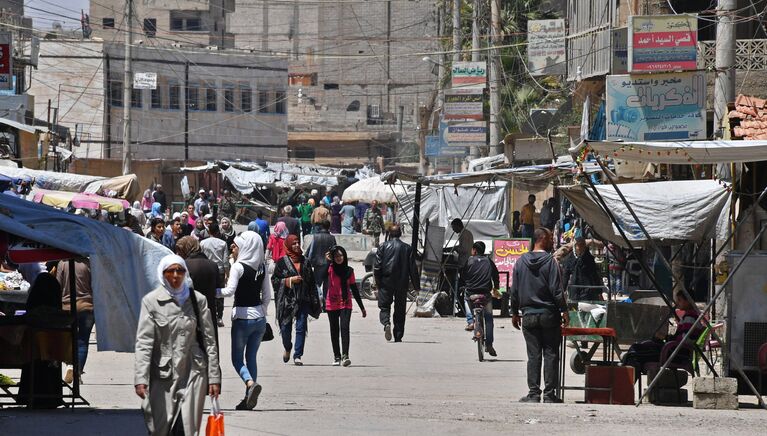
column 536, row 291
column 373, row 223
column 394, row 267
column 480, row 276
column 461, row 254
column 216, row 250
column 293, row 224
column 322, row 242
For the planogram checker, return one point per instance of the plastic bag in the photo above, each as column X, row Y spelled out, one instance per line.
column 215, row 425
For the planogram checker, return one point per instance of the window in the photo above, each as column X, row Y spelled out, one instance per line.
column 150, row 27
column 108, row 23
column 246, row 99
column 135, row 98
column 210, row 98
column 228, row 98
column 157, row 97
column 174, row 96
column 263, row 102
column 186, row 21
column 331, row 86
column 193, row 97
column 281, row 102
column 116, row 93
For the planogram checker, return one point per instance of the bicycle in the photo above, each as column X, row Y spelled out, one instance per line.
column 478, row 302
column 369, row 289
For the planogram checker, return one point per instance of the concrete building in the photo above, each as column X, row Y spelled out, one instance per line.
column 207, row 104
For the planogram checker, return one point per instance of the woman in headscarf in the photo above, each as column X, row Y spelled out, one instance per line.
column 275, row 248
column 176, row 353
column 340, row 286
column 296, row 297
column 200, row 232
column 252, row 290
column 227, row 231
column 138, row 214
column 186, row 228
column 335, row 216
column 157, row 211
column 147, row 201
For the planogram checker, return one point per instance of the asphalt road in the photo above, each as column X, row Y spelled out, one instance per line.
column 431, row 383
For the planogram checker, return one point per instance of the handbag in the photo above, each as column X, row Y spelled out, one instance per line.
column 215, row 425
column 268, row 334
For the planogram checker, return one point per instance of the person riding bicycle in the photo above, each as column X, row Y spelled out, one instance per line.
column 480, row 276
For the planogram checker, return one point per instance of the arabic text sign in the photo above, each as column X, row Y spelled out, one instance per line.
column 469, row 75
column 506, row 252
column 475, row 132
column 145, row 81
column 6, row 60
column 656, row 107
column 463, row 105
column 546, row 47
column 662, row 43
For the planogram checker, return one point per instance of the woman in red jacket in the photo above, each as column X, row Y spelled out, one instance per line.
column 340, row 283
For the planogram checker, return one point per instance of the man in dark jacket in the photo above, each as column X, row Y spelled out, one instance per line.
column 202, row 271
column 159, row 197
column 581, row 272
column 536, row 291
column 480, row 276
column 322, row 242
column 394, row 267
column 293, row 224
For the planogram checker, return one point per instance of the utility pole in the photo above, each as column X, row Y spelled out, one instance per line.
column 495, row 89
column 724, row 87
column 127, row 88
column 456, row 53
column 474, row 152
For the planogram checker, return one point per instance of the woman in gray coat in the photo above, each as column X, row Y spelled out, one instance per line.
column 176, row 363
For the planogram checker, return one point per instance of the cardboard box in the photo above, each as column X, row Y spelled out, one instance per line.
column 602, row 381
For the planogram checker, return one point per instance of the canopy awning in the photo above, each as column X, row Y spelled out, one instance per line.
column 367, row 190
column 679, row 152
column 62, row 199
column 672, row 212
column 21, row 126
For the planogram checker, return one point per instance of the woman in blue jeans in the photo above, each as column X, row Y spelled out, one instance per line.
column 252, row 291
column 296, row 297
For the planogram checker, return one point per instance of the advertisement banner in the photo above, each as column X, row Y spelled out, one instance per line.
column 145, row 81
column 506, row 252
column 469, row 75
column 433, row 145
column 662, row 43
column 475, row 132
column 546, row 54
column 464, row 104
column 656, row 107
column 6, row 60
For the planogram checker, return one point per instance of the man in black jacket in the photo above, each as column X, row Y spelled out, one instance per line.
column 394, row 267
column 480, row 276
column 581, row 273
column 536, row 290
column 322, row 242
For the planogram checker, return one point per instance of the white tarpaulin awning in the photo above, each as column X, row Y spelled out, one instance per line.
column 373, row 188
column 679, row 152
column 685, row 210
column 21, row 126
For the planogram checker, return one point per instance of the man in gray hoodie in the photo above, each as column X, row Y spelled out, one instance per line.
column 536, row 291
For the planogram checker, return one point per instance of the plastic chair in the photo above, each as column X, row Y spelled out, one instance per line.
column 705, row 344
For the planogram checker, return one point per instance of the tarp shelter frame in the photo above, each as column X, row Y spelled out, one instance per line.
column 673, row 150
column 77, row 399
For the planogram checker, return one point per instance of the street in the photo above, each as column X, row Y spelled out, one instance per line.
column 430, row 383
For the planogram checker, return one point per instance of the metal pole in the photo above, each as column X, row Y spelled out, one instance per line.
column 474, row 149
column 73, row 311
column 127, row 88
column 416, row 218
column 186, row 110
column 456, row 30
column 495, row 89
column 724, row 86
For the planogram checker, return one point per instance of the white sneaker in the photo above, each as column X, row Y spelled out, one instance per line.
column 337, row 362
column 297, row 361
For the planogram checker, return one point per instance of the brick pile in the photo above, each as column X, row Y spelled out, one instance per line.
column 749, row 118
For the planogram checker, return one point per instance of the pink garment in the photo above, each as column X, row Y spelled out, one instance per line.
column 277, row 246
column 334, row 298
column 192, row 220
column 146, row 203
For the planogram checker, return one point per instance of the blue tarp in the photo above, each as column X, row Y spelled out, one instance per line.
column 123, row 264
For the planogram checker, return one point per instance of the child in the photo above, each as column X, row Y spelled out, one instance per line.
column 338, row 304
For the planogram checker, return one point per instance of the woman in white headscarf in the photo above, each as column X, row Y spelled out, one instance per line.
column 176, row 354
column 252, row 290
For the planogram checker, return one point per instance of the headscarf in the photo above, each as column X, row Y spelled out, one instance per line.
column 336, row 200
column 341, row 271
column 200, row 233
column 187, row 246
column 281, row 230
column 148, row 194
column 176, row 215
column 227, row 230
column 137, row 205
column 156, row 210
column 295, row 256
column 251, row 249
column 180, row 294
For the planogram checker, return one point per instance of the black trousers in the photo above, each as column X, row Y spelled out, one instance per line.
column 397, row 296
column 543, row 334
column 339, row 325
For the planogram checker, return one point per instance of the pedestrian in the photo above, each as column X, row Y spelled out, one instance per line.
column 157, row 211
column 146, row 202
column 139, row 214
column 322, row 241
column 480, row 276
column 373, row 223
column 199, row 202
column 172, row 233
column 305, row 209
column 293, row 279
column 527, row 217
column 292, row 224
column 275, row 248
column 227, row 207
column 191, row 216
column 215, row 249
column 347, row 219
column 227, row 231
column 84, row 305
column 173, row 375
column 320, row 215
column 546, row 215
column 359, row 215
column 461, row 254
column 335, row 216
column 394, row 267
column 159, row 197
column 186, row 228
column 536, row 292
column 581, row 278
column 200, row 232
column 252, row 290
column 260, row 226
column 203, row 271
column 339, row 287
column 156, row 230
